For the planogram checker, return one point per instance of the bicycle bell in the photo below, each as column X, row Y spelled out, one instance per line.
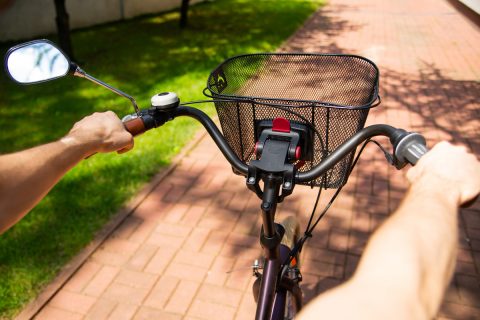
column 165, row 101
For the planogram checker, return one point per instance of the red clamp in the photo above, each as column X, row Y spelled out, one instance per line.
column 281, row 125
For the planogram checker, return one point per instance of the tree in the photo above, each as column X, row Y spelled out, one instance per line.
column 184, row 13
column 63, row 28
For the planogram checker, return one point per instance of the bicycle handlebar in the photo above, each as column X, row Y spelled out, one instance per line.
column 408, row 147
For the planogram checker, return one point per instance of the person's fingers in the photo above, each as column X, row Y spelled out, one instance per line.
column 128, row 146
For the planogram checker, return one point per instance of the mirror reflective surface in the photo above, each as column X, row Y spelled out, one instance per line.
column 36, row 62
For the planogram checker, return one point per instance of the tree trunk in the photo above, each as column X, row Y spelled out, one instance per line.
column 184, row 13
column 63, row 28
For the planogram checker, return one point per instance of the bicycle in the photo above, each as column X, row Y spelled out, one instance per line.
column 280, row 139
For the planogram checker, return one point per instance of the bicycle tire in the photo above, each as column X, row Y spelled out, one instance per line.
column 292, row 234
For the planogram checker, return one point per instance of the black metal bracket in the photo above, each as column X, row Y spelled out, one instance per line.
column 277, row 151
column 274, row 242
column 272, row 163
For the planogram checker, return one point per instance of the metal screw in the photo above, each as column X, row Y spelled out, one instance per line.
column 251, row 180
column 287, row 185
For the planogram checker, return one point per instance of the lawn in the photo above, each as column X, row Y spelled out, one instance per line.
column 142, row 57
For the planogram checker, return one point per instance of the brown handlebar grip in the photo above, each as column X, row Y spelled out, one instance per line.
column 135, row 126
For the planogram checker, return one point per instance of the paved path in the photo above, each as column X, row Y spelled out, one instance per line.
column 185, row 252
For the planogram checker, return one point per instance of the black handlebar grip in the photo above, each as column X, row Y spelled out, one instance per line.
column 414, row 151
column 409, row 149
column 135, row 126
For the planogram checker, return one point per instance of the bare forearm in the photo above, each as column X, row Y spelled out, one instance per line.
column 413, row 253
column 409, row 260
column 405, row 267
column 27, row 176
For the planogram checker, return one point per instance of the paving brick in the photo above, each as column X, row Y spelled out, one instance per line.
column 136, row 279
column 219, row 295
column 123, row 311
column 214, row 242
column 245, row 240
column 338, row 240
column 161, row 292
column 219, row 271
column 452, row 294
column 127, row 227
column 218, row 219
column 196, row 239
column 141, row 258
column 241, row 274
column 51, row 313
column 247, row 307
column 125, row 294
column 199, row 196
column 101, row 281
column 162, row 240
column 101, row 309
column 241, row 252
column 325, row 255
column 319, row 268
column 118, row 245
column 351, row 264
column 198, row 259
column 208, row 310
column 182, row 297
column 171, row 229
column 247, row 222
column 105, row 257
column 146, row 313
column 193, row 215
column 74, row 302
column 185, row 271
column 175, row 194
column 469, row 290
column 466, row 268
column 143, row 231
column 153, row 208
column 464, row 255
column 357, row 241
column 81, row 278
column 176, row 212
column 459, row 311
column 473, row 233
column 160, row 260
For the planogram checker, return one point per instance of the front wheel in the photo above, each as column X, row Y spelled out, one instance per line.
column 285, row 299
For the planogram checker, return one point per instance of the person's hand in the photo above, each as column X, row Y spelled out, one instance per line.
column 449, row 168
column 100, row 132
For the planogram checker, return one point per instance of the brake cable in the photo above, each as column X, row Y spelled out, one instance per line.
column 297, row 248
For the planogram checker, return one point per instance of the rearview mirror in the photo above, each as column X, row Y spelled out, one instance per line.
column 36, row 61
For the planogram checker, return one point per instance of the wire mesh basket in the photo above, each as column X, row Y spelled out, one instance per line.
column 330, row 93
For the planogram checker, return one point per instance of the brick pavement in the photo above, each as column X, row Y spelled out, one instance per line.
column 186, row 250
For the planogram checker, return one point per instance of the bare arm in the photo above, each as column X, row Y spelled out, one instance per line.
column 27, row 176
column 409, row 260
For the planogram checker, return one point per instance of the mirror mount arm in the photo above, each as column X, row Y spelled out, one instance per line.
column 78, row 72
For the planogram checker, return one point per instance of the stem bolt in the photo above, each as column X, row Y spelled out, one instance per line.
column 287, row 185
column 251, row 180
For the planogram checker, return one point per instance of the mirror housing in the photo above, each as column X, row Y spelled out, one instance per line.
column 37, row 61
column 41, row 60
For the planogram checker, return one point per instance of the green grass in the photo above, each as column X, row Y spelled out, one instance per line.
column 142, row 57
